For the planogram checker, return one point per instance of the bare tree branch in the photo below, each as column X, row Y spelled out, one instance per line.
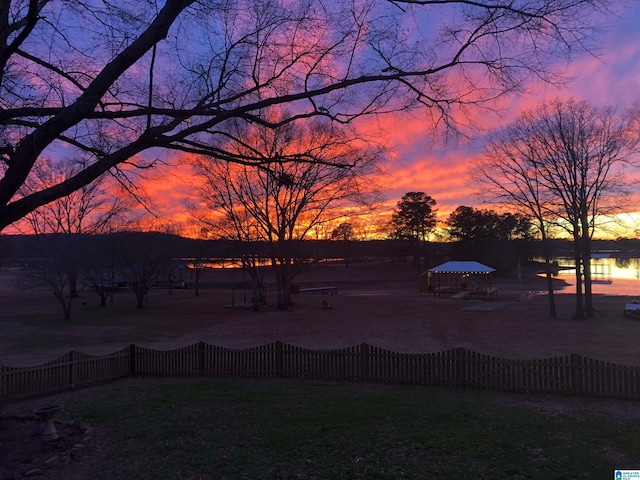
column 76, row 76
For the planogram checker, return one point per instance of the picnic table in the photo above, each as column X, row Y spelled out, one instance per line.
column 320, row 290
column 462, row 295
column 487, row 294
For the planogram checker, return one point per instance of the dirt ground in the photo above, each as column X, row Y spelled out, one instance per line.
column 378, row 304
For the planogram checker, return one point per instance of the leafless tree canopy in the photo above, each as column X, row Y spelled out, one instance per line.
column 115, row 83
column 299, row 173
column 296, row 173
column 92, row 209
column 564, row 163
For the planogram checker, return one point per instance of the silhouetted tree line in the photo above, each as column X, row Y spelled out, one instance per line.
column 72, row 264
column 22, row 250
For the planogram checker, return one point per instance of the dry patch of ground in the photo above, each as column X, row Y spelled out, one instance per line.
column 377, row 304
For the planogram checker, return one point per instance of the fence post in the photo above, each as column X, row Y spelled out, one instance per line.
column 279, row 359
column 71, row 372
column 132, row 360
column 576, row 373
column 363, row 372
column 4, row 394
column 459, row 358
column 200, row 359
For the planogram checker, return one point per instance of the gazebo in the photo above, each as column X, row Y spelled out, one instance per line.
column 459, row 279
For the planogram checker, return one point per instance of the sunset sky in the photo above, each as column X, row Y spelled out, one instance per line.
column 418, row 161
column 611, row 79
column 421, row 163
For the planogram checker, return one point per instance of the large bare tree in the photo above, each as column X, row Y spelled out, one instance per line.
column 117, row 83
column 58, row 265
column 144, row 261
column 564, row 162
column 506, row 174
column 296, row 174
column 95, row 208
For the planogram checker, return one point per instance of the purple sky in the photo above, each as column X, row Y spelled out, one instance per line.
column 613, row 78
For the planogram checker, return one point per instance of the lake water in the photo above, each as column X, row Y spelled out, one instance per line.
column 611, row 276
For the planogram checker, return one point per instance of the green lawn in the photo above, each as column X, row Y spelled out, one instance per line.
column 272, row 429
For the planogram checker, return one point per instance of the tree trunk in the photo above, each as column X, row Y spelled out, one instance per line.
column 416, row 255
column 283, row 283
column 73, row 286
column 427, row 255
column 66, row 306
column 347, row 250
column 286, row 291
column 140, row 298
column 586, row 262
column 65, row 301
column 255, row 287
column 547, row 264
column 579, row 313
column 197, row 270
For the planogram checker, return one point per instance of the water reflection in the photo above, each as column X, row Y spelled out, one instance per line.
column 611, row 276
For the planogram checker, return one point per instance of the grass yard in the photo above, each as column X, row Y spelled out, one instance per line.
column 282, row 429
column 217, row 429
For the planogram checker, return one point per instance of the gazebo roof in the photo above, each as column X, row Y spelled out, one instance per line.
column 461, row 267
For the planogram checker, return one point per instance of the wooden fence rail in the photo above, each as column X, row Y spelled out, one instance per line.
column 568, row 374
